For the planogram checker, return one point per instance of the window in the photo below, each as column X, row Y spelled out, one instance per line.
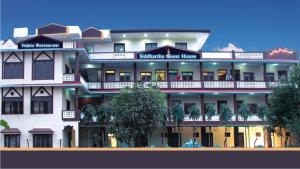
column 13, row 70
column 110, row 75
column 124, row 76
column 227, row 134
column 187, row 76
column 12, row 105
column 160, row 75
column 239, row 103
column 219, row 103
column 206, row 105
column 43, row 69
column 173, row 74
column 41, row 105
column 146, row 76
column 119, row 47
column 222, row 74
column 187, row 106
column 149, row 46
column 181, row 45
column 252, row 108
column 11, row 140
column 89, row 48
column 249, row 76
column 42, row 140
column 270, row 77
column 208, row 76
column 282, row 75
column 237, row 75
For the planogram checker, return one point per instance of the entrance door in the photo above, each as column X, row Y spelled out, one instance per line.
column 241, row 140
column 237, row 75
column 160, row 75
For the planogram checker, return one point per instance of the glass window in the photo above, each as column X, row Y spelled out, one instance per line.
column 43, row 69
column 219, row 103
column 42, row 140
column 187, row 76
column 160, row 75
column 149, row 46
column 146, row 76
column 11, row 140
column 252, row 108
column 187, row 106
column 110, row 75
column 282, row 75
column 119, row 47
column 206, row 105
column 270, row 77
column 13, row 70
column 181, row 45
column 12, row 105
column 208, row 76
column 249, row 76
column 124, row 76
column 41, row 105
column 222, row 74
column 173, row 74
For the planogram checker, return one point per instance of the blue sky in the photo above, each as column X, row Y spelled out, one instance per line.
column 253, row 25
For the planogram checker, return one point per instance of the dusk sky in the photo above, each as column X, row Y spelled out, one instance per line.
column 253, row 25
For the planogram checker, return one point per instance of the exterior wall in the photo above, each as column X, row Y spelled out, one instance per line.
column 256, row 68
column 27, row 121
column 134, row 45
column 28, row 72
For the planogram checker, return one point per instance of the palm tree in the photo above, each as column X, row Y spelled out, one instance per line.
column 164, row 121
column 210, row 112
column 194, row 113
column 178, row 117
column 262, row 113
column 4, row 124
column 244, row 112
column 225, row 116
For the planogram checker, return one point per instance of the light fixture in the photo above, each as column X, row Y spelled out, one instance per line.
column 244, row 64
column 151, row 63
column 214, row 63
column 182, row 93
column 124, row 35
column 145, row 35
column 216, row 93
column 275, row 64
column 183, row 63
column 167, row 35
column 251, row 93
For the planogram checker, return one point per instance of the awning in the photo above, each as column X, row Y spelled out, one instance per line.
column 41, row 131
column 11, row 131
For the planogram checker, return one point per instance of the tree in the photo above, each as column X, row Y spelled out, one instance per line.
column 262, row 113
column 178, row 117
column 137, row 112
column 194, row 113
column 225, row 116
column 210, row 112
column 245, row 113
column 4, row 124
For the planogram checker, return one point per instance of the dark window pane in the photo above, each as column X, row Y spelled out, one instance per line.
column 270, row 77
column 41, row 105
column 43, row 69
column 249, row 76
column 208, row 76
column 110, row 75
column 187, row 76
column 42, row 140
column 173, row 73
column 119, row 47
column 12, row 105
column 149, row 46
column 11, row 140
column 181, row 45
column 13, row 70
column 146, row 76
column 187, row 106
column 124, row 76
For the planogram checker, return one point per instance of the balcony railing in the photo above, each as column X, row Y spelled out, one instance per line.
column 69, row 77
column 217, row 55
column 185, row 84
column 186, row 118
column 249, row 56
column 111, row 55
column 251, row 84
column 218, row 84
column 94, row 85
column 116, row 85
column 68, row 114
column 250, row 118
column 160, row 84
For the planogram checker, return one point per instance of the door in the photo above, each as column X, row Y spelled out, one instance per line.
column 241, row 140
column 237, row 75
column 160, row 75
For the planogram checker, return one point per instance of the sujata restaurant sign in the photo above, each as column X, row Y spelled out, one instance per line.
column 168, row 53
column 39, row 42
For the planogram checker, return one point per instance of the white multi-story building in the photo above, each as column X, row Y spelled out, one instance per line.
column 48, row 78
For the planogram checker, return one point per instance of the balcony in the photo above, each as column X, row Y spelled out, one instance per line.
column 251, row 118
column 68, row 77
column 249, row 56
column 251, row 84
column 112, row 55
column 219, row 84
column 68, row 115
column 116, row 85
column 185, row 84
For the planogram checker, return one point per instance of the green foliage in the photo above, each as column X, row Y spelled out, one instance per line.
column 178, row 114
column 137, row 111
column 4, row 123
column 244, row 111
column 262, row 112
column 194, row 112
column 225, row 113
column 211, row 111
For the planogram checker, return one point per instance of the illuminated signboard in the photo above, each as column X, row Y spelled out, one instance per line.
column 168, row 53
column 39, row 42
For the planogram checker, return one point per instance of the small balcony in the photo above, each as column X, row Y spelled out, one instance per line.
column 251, row 84
column 116, row 85
column 68, row 115
column 69, row 77
column 185, row 84
column 249, row 55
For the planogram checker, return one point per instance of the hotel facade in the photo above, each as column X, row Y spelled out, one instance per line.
column 48, row 79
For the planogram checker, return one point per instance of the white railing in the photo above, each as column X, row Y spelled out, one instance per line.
column 250, row 85
column 162, row 84
column 68, row 114
column 250, row 56
column 186, row 118
column 213, row 118
column 117, row 85
column 69, row 77
column 111, row 55
column 94, row 85
column 216, row 55
column 272, row 84
column 185, row 84
column 69, row 44
column 250, row 118
column 218, row 84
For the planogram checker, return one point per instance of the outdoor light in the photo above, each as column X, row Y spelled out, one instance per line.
column 167, row 35
column 244, row 64
column 216, row 93
column 151, row 63
column 182, row 93
column 214, row 63
column 124, row 35
column 182, row 63
column 145, row 35
column 275, row 64
column 251, row 93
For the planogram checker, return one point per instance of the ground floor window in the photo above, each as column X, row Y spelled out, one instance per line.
column 42, row 140
column 12, row 140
